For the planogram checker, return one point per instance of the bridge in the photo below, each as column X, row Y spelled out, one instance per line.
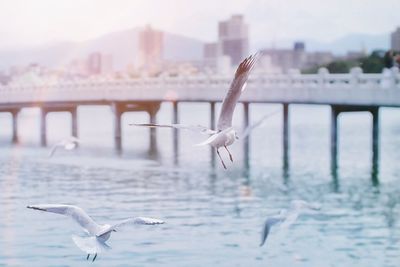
column 354, row 91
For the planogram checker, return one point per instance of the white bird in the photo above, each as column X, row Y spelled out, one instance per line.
column 98, row 234
column 68, row 143
column 225, row 135
column 286, row 217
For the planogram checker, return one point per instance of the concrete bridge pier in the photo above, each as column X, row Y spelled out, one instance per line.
column 152, row 109
column 74, row 121
column 120, row 108
column 14, row 121
column 335, row 112
column 61, row 108
column 285, row 137
column 175, row 120
column 43, row 127
column 375, row 137
column 14, row 114
column 334, row 137
column 117, row 110
column 246, row 141
column 212, row 126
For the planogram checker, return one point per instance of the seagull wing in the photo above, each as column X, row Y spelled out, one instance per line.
column 290, row 219
column 237, row 87
column 137, row 220
column 251, row 127
column 267, row 227
column 76, row 213
column 304, row 205
column 296, row 208
column 196, row 128
column 53, row 150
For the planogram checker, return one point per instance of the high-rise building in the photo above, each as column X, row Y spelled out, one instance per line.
column 233, row 38
column 296, row 58
column 93, row 66
column 299, row 55
column 395, row 40
column 78, row 66
column 210, row 50
column 151, row 44
column 106, row 64
column 299, row 46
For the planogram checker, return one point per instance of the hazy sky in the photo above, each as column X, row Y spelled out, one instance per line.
column 25, row 22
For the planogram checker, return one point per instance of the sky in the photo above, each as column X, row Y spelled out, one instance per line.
column 27, row 23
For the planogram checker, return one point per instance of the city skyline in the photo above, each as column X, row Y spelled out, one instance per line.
column 40, row 22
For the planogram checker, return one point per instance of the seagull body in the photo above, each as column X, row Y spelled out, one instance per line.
column 286, row 217
column 69, row 143
column 223, row 138
column 225, row 135
column 97, row 234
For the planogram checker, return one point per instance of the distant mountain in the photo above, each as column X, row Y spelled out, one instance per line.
column 351, row 42
column 121, row 45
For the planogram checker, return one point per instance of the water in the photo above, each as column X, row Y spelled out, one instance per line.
column 214, row 217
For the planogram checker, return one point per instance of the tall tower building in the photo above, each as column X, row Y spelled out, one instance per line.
column 151, row 44
column 299, row 55
column 106, row 64
column 233, row 38
column 94, row 63
column 395, row 40
column 210, row 50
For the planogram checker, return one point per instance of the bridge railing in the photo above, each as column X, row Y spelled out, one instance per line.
column 164, row 86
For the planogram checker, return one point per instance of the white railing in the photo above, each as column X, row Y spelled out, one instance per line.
column 262, row 87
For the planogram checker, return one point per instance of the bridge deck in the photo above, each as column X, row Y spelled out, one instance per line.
column 338, row 89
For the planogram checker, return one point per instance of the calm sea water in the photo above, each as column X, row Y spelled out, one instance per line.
column 213, row 216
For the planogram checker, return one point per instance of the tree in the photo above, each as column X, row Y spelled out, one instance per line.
column 374, row 63
column 341, row 66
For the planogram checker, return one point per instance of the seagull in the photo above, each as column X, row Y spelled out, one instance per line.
column 286, row 217
column 98, row 234
column 69, row 143
column 225, row 135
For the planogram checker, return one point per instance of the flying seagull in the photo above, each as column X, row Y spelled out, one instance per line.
column 68, row 143
column 225, row 135
column 98, row 234
column 286, row 217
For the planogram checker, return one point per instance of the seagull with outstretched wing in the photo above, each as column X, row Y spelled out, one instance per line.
column 98, row 234
column 69, row 143
column 271, row 221
column 286, row 217
column 225, row 135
